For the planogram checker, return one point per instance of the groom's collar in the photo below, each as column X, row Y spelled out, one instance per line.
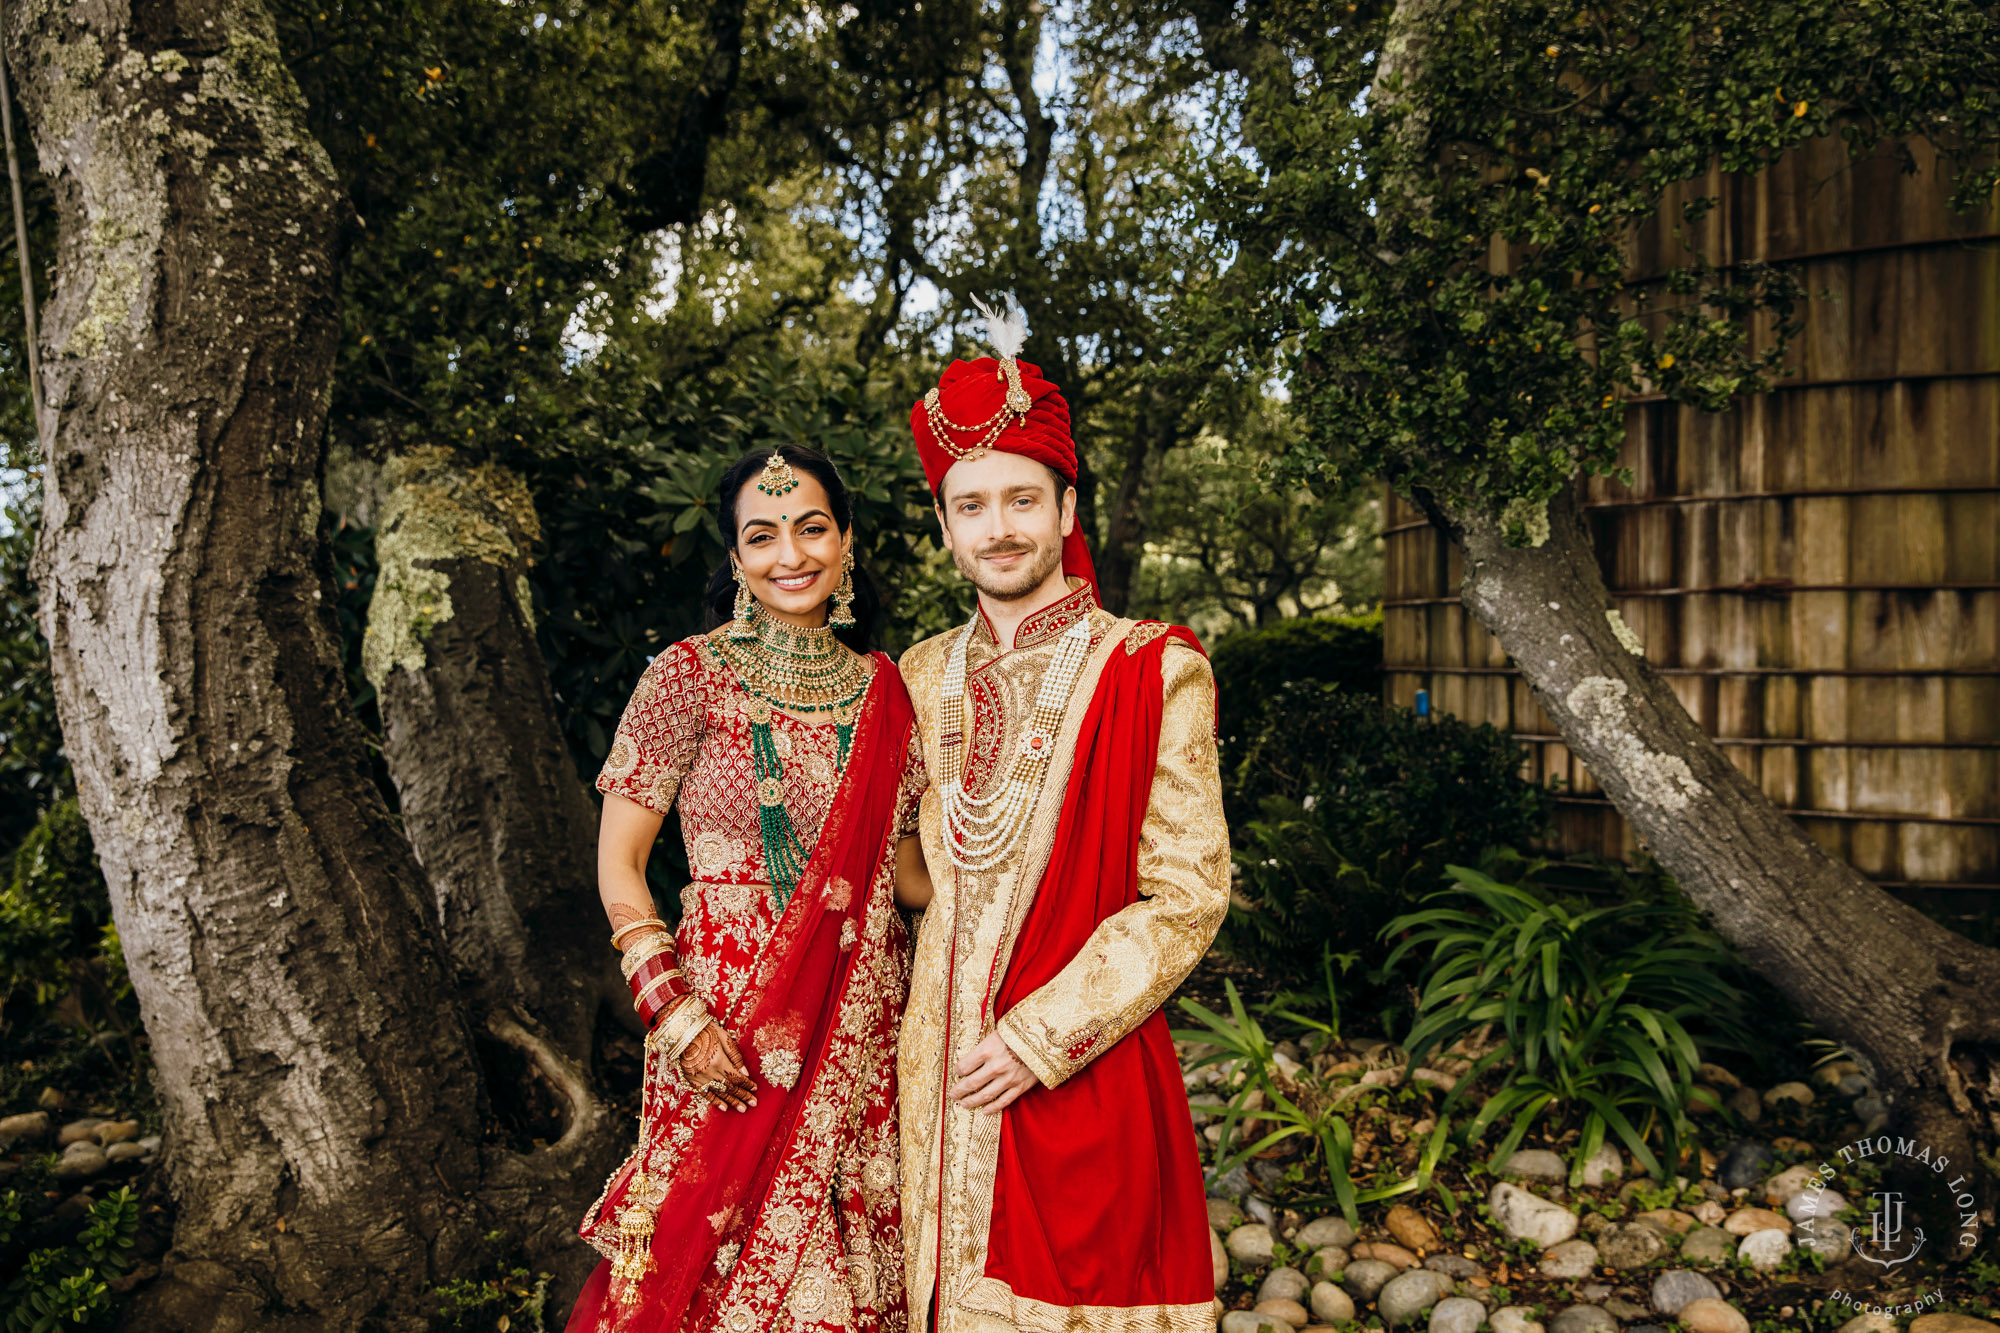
column 1049, row 622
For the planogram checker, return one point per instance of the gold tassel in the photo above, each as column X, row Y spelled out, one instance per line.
column 634, row 1257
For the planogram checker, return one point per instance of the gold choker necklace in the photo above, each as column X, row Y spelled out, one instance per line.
column 799, row 668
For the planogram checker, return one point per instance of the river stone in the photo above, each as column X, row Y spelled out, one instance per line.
column 1330, row 1305
column 1535, row 1164
column 1746, row 1220
column 1250, row 1245
column 1454, row 1266
column 1745, row 1102
column 124, row 1152
column 81, row 1160
column 1789, row 1092
column 1388, row 1252
column 1410, row 1229
column 1765, row 1250
column 1291, row 1312
column 1232, row 1184
column 1604, row 1165
column 1814, row 1204
column 1669, row 1222
column 1631, row 1245
column 1526, row 1216
column 1570, row 1260
column 1677, row 1286
column 117, row 1131
column 1744, row 1165
column 1952, row 1323
column 1410, row 1295
column 1869, row 1323
column 1457, row 1314
column 1624, row 1311
column 28, row 1127
column 1365, row 1278
column 1707, row 1316
column 1324, row 1231
column 151, row 1143
column 1788, row 1184
column 1583, row 1319
column 1260, row 1210
column 1325, row 1260
column 1224, row 1215
column 1284, row 1284
column 1220, row 1254
column 1515, row 1319
column 1710, row 1212
column 1708, row 1245
column 1828, row 1237
column 76, row 1131
column 1249, row 1321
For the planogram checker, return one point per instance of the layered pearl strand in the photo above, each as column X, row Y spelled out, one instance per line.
column 981, row 831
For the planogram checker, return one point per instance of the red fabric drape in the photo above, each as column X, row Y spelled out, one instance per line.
column 727, row 1169
column 1098, row 1193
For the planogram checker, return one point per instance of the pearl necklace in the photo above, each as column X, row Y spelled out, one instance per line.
column 981, row 831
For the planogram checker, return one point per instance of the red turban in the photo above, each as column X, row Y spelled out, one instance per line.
column 970, row 412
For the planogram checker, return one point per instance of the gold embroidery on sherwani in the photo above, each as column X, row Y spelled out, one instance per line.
column 950, row 1156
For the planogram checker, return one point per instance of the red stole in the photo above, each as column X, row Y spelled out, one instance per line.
column 1097, row 1197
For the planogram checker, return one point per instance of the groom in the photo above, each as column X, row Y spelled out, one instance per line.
column 1073, row 829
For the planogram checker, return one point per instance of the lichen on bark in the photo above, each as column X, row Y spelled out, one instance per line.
column 1664, row 780
column 437, row 509
column 1628, row 638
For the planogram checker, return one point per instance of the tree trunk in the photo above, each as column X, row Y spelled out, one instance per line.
column 489, row 794
column 1910, row 997
column 322, row 1097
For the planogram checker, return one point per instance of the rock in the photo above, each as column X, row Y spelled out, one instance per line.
column 1388, row 1253
column 1515, row 1319
column 1591, row 1293
column 1669, row 1222
column 1583, row 1319
column 1330, row 1304
column 151, row 1143
column 1284, row 1284
column 1789, row 1092
column 1604, row 1165
column 1677, row 1286
column 1410, row 1295
column 1747, row 1105
column 117, row 1131
column 81, row 1160
column 1788, row 1184
column 1457, row 1314
column 1454, row 1266
column 1765, row 1250
column 29, row 1127
column 1365, row 1278
column 1710, row 1316
column 76, row 1131
column 1535, row 1164
column 1744, row 1165
column 1260, row 1210
column 1324, row 1231
column 1709, row 1212
column 1717, row 1076
column 1233, row 1184
column 1814, row 1203
column 1224, row 1215
column 1327, row 1259
column 1828, row 1237
column 1871, row 1107
column 1707, row 1245
column 1411, row 1229
column 1869, row 1323
column 124, row 1152
column 1833, row 1071
column 1702, row 1099
column 1952, row 1323
column 1291, row 1312
column 1624, row 1311
column 1250, row 1245
column 1569, row 1260
column 1249, row 1321
column 1591, row 1223
column 1631, row 1245
column 1852, row 1085
column 1525, row 1216
column 1219, row 1254
column 50, row 1100
column 1746, row 1220
column 73, row 1209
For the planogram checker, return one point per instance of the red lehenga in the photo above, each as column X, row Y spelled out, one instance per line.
column 785, row 1216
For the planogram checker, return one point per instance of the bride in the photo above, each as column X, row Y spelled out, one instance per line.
column 763, row 1191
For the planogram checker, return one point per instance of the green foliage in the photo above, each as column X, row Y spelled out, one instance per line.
column 1252, row 665
column 1596, row 1011
column 511, row 1301
column 58, row 1277
column 55, row 919
column 34, row 771
column 1435, row 203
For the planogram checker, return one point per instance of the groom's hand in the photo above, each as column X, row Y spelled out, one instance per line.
column 991, row 1076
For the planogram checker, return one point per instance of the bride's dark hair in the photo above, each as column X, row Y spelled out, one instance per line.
column 720, row 599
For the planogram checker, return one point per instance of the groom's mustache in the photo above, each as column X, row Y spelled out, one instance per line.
column 1007, row 548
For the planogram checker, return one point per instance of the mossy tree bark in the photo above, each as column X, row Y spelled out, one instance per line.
column 314, row 1062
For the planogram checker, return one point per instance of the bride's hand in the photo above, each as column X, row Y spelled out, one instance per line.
column 713, row 1062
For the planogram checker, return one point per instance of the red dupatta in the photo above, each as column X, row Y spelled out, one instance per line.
column 712, row 1173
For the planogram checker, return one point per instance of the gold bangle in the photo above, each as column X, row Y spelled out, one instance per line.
column 650, row 947
column 618, row 935
column 640, row 1001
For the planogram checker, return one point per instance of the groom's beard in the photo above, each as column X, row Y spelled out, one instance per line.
column 1006, row 587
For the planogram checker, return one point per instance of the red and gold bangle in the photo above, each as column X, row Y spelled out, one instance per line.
column 647, row 949
column 658, row 994
column 649, row 970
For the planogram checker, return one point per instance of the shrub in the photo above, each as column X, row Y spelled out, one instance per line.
column 1595, row 1010
column 63, row 1280
column 55, row 917
column 1252, row 665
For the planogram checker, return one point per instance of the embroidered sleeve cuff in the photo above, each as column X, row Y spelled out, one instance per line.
column 1047, row 1066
